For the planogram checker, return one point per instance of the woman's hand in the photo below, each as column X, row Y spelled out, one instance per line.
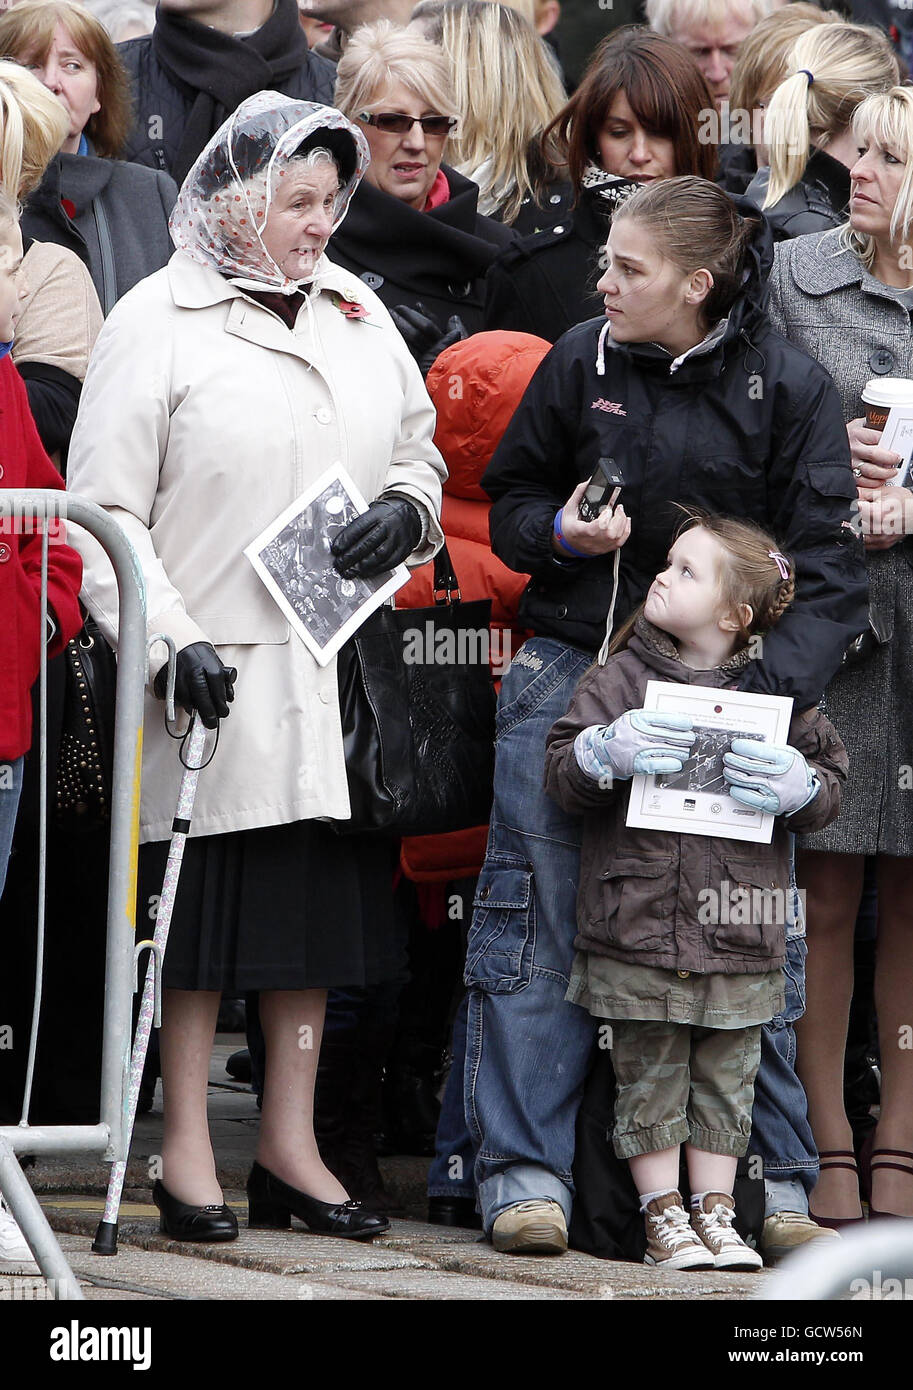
column 885, row 515
column 873, row 466
column 201, row 683
column 607, row 533
column 377, row 540
column 423, row 335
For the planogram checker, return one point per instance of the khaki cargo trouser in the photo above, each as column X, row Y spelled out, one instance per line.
column 678, row 1083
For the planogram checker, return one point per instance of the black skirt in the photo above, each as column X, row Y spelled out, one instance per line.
column 285, row 907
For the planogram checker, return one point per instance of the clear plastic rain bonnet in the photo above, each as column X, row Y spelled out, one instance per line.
column 225, row 199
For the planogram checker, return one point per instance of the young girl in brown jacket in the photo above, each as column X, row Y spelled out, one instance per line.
column 684, row 978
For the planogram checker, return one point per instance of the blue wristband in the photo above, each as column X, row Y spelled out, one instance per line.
column 556, row 527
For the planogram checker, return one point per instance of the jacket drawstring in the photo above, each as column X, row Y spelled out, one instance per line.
column 600, row 351
column 752, row 348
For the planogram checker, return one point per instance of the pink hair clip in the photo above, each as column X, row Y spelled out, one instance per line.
column 781, row 563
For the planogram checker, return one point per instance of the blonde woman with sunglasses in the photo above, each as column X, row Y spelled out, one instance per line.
column 413, row 233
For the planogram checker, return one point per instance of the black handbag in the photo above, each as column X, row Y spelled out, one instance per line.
column 417, row 704
column 86, row 755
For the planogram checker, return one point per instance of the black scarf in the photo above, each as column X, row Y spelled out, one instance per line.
column 223, row 71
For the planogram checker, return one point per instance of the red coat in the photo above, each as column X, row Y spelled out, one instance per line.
column 26, row 465
column 476, row 386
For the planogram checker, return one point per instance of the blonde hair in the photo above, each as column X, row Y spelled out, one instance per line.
column 10, row 211
column 761, row 64
column 848, row 62
column 508, row 90
column 887, row 119
column 381, row 54
column 33, row 126
column 668, row 16
column 747, row 574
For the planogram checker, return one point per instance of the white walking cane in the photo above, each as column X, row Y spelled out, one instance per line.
column 150, row 1014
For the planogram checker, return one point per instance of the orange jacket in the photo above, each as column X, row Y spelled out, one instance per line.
column 476, row 386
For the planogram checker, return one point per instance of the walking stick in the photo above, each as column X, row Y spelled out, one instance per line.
column 150, row 1014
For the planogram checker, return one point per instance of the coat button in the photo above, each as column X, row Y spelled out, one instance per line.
column 558, row 230
column 323, row 415
column 5, row 553
column 555, row 198
column 372, row 279
column 561, row 610
column 881, row 361
column 683, row 974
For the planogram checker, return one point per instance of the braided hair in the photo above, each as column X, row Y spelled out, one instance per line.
column 753, row 572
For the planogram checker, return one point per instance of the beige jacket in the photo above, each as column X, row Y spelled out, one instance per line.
column 202, row 418
column 60, row 316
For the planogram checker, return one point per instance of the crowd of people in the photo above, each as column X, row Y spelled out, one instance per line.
column 617, row 329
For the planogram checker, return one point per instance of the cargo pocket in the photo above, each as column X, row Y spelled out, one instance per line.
column 752, row 911
column 638, row 901
column 499, row 951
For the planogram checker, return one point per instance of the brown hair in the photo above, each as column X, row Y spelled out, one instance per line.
column 664, row 88
column 748, row 573
column 26, row 34
column 698, row 227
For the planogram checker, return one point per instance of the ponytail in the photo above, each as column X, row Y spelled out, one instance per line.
column 832, row 68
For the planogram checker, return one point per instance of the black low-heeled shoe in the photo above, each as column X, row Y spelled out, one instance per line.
column 272, row 1203
column 184, row 1222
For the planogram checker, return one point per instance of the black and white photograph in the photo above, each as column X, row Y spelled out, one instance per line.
column 294, row 559
column 703, row 772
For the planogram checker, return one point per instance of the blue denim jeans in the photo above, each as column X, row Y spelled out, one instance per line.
column 527, row 1050
column 10, row 788
column 451, row 1171
column 781, row 1133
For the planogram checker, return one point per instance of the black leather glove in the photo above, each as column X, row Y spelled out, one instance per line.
column 201, row 683
column 423, row 335
column 378, row 539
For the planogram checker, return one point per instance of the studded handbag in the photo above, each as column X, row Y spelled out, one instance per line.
column 86, row 754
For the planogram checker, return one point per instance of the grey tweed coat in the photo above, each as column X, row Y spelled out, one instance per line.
column 824, row 300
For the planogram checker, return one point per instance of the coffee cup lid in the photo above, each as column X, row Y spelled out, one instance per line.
column 888, row 391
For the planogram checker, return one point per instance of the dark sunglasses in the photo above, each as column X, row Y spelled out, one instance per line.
column 392, row 123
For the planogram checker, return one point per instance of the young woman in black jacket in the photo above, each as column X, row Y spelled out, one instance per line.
column 687, row 388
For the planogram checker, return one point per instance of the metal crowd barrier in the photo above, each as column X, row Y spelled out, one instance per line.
column 108, row 1138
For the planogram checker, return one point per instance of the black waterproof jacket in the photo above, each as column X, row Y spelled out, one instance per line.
column 819, row 201
column 547, row 282
column 439, row 258
column 747, row 426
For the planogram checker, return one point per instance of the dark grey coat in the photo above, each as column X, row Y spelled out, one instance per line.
column 86, row 203
column 825, row 301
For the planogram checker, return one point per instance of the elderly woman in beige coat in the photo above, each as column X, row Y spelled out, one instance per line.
column 220, row 388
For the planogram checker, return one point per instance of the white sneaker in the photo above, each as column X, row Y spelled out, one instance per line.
column 15, row 1255
column 536, row 1227
column 671, row 1241
column 712, row 1221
